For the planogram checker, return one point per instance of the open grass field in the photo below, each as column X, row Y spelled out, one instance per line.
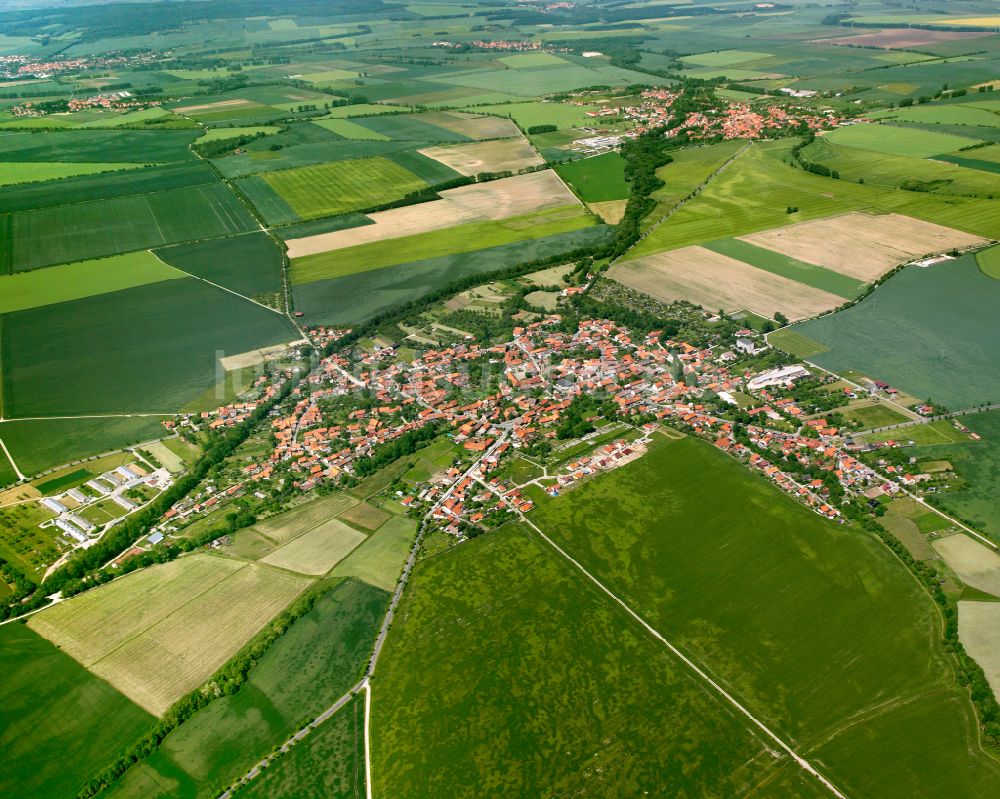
column 924, row 331
column 21, row 172
column 942, row 115
column 724, row 58
column 862, row 246
column 29, row 196
column 689, row 169
column 351, row 130
column 301, row 674
column 755, row 191
column 249, row 265
column 869, row 416
column 979, row 631
column 379, row 560
column 362, row 110
column 489, row 156
column 286, row 526
column 784, row 265
column 411, row 128
column 160, row 632
column 897, row 140
column 597, row 179
column 107, row 227
column 496, row 199
column 221, row 134
column 690, row 565
column 975, row 564
column 929, row 434
column 329, row 764
column 338, row 187
column 587, row 701
column 715, row 281
column 85, row 146
column 989, row 262
column 529, row 114
column 153, row 345
column 365, row 516
column 359, row 296
column 59, row 724
column 450, row 241
column 82, row 279
column 317, row 551
column 41, row 444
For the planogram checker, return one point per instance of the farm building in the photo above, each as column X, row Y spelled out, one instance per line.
column 778, row 377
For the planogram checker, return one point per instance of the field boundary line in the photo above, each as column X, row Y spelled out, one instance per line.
column 804, row 764
column 6, row 452
column 368, row 754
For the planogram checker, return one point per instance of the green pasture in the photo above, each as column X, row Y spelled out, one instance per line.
column 379, row 560
column 901, row 171
column 362, row 110
column 501, row 652
column 150, row 348
column 32, row 172
column 869, row 416
column 408, row 127
column 755, row 191
column 915, row 142
column 59, row 724
column 989, row 262
column 66, row 233
column 775, row 262
column 308, row 668
column 943, row 115
column 40, row 444
column 221, row 134
column 930, row 433
column 924, row 331
column 597, row 179
column 341, row 186
column 529, row 114
column 29, row 196
column 249, row 265
column 687, row 171
column 449, row 241
column 724, row 58
column 765, row 594
column 328, row 764
column 531, row 60
column 350, row 130
column 362, row 295
column 85, row 146
column 81, row 279
column 533, row 82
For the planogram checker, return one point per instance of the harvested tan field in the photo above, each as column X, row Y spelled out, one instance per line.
column 187, row 109
column 715, row 281
column 475, row 126
column 979, row 632
column 497, row 199
column 285, row 526
column 161, row 632
column 903, row 38
column 317, row 551
column 975, row 564
column 487, row 156
column 611, row 211
column 254, row 357
column 864, row 246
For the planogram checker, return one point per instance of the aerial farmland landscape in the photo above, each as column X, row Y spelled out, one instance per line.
column 457, row 399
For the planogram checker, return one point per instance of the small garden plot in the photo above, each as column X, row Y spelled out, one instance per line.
column 861, row 245
column 898, row 140
column 491, row 156
column 317, row 551
column 717, row 281
column 497, row 199
column 975, row 564
column 341, row 186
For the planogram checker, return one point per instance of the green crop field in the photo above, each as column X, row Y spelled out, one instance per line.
column 351, row 130
column 502, row 653
column 79, row 146
column 328, row 764
column 688, row 170
column 151, row 348
column 449, row 241
column 989, row 262
column 360, row 296
column 320, row 657
column 220, row 134
column 898, row 171
column 341, row 186
column 20, row 172
column 786, row 266
column 527, row 115
column 690, row 565
column 409, row 127
column 597, row 179
column 362, row 110
column 897, row 140
column 756, row 190
column 943, row 115
column 40, row 444
column 82, row 279
column 379, row 560
column 59, row 724
column 249, row 265
column 107, row 227
column 925, row 331
column 724, row 58
column 29, row 196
